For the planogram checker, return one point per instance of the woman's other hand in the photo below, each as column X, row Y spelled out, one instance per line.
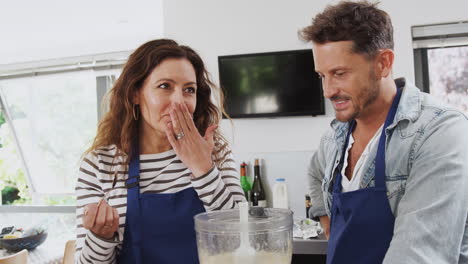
column 193, row 149
column 101, row 219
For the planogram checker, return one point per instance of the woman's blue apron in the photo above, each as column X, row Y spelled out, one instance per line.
column 362, row 222
column 159, row 228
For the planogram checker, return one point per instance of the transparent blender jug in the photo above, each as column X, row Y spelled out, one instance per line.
column 269, row 233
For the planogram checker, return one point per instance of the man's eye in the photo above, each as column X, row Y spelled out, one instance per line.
column 339, row 74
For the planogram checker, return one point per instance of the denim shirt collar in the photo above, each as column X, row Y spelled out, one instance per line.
column 410, row 103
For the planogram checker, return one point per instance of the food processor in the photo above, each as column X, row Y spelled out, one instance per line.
column 261, row 236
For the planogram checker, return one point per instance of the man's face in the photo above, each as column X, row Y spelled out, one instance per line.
column 348, row 79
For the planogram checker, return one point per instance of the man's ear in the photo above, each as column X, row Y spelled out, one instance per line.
column 385, row 60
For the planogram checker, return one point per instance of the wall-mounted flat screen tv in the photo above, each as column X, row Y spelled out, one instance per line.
column 271, row 84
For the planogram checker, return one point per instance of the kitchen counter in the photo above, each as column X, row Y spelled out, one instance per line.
column 313, row 246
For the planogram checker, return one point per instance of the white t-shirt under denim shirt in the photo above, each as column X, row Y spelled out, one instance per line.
column 358, row 172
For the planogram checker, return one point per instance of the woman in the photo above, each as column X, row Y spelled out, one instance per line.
column 157, row 161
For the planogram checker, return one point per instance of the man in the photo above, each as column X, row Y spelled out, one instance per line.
column 390, row 179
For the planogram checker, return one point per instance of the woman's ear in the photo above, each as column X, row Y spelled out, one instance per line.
column 136, row 98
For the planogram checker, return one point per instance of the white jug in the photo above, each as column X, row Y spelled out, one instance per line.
column 280, row 194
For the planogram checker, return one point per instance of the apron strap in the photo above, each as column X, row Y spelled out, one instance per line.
column 380, row 158
column 133, row 200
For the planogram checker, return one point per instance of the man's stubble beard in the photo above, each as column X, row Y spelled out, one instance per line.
column 370, row 93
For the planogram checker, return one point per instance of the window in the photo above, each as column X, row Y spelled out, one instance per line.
column 50, row 118
column 441, row 62
column 13, row 184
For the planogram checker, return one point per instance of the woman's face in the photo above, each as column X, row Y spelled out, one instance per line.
column 172, row 82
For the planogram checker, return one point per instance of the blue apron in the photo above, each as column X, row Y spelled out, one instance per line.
column 159, row 228
column 362, row 221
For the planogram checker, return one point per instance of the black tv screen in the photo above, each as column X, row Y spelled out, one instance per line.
column 271, row 84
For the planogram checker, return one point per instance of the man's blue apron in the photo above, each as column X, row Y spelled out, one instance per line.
column 159, row 228
column 362, row 222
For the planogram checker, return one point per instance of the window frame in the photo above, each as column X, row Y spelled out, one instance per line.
column 102, row 64
column 434, row 36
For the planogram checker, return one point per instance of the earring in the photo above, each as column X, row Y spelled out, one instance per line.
column 136, row 113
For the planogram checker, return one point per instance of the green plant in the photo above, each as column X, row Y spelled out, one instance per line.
column 11, row 171
column 10, row 194
column 2, row 118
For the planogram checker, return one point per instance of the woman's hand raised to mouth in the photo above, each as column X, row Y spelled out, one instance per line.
column 193, row 149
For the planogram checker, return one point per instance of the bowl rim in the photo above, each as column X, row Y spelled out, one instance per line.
column 18, row 238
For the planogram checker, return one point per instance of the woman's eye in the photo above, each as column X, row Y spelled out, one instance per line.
column 190, row 90
column 163, row 85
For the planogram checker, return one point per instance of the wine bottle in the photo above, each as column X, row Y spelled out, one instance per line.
column 308, row 204
column 244, row 182
column 257, row 194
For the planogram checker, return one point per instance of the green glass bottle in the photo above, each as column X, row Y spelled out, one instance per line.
column 244, row 182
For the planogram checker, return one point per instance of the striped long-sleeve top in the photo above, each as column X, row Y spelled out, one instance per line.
column 159, row 173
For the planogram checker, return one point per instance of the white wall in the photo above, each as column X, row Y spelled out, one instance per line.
column 217, row 28
column 46, row 29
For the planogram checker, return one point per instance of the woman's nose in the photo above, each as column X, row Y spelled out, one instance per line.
column 177, row 97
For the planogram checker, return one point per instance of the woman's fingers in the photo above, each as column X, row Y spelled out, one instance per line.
column 170, row 135
column 98, row 205
column 115, row 222
column 176, row 123
column 209, row 135
column 89, row 214
column 109, row 217
column 183, row 117
column 101, row 215
column 101, row 218
column 188, row 118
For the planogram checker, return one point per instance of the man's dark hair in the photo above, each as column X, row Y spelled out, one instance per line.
column 362, row 22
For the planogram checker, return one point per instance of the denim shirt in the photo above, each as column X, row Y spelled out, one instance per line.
column 426, row 178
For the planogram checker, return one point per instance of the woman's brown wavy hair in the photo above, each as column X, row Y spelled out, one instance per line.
column 119, row 128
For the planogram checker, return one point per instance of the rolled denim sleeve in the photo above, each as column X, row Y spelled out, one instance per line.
column 431, row 219
column 315, row 175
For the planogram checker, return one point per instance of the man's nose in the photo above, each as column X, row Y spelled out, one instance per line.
column 329, row 89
